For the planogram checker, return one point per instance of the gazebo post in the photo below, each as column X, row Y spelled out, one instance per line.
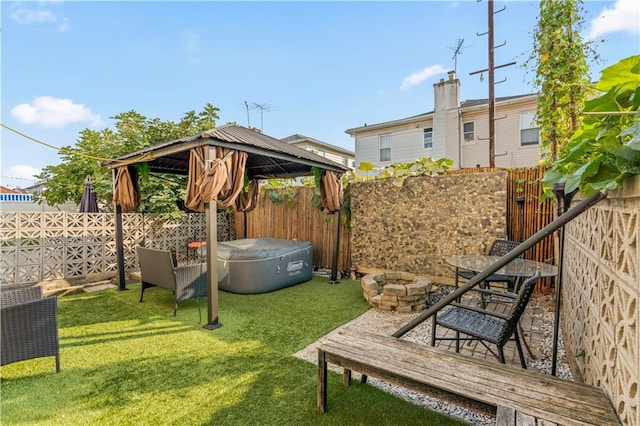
column 122, row 285
column 120, row 250
column 211, row 219
column 336, row 248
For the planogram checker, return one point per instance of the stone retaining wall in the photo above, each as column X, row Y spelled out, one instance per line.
column 413, row 226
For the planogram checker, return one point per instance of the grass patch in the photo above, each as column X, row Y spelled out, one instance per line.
column 124, row 362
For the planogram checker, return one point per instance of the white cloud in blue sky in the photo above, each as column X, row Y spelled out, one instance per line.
column 623, row 16
column 418, row 77
column 48, row 111
column 327, row 65
column 37, row 14
column 23, row 173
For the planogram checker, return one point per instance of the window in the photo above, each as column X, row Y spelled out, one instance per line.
column 428, row 138
column 529, row 131
column 468, row 132
column 385, row 147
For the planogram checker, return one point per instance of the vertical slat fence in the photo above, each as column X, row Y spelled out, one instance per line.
column 300, row 220
column 303, row 221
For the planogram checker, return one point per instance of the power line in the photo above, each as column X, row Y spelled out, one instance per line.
column 79, row 154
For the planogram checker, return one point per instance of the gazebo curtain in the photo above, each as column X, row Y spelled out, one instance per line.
column 221, row 179
column 248, row 200
column 331, row 191
column 126, row 192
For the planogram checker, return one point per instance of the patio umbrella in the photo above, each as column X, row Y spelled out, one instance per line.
column 88, row 202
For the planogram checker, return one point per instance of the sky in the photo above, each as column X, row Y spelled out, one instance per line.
column 311, row 68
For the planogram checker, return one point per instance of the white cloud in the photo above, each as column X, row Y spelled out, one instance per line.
column 420, row 76
column 623, row 16
column 48, row 111
column 26, row 16
column 22, row 172
column 35, row 16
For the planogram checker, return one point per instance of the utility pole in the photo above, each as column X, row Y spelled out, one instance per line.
column 491, row 71
column 492, row 94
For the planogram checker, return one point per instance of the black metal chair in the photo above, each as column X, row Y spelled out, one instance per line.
column 29, row 325
column 158, row 268
column 486, row 325
column 498, row 248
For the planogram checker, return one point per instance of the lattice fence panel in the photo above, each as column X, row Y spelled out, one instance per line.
column 36, row 246
column 601, row 298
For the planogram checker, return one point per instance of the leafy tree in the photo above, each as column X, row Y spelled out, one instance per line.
column 605, row 150
column 560, row 58
column 132, row 132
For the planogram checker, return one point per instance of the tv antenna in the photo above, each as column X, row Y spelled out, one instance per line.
column 246, row 104
column 262, row 107
column 457, row 50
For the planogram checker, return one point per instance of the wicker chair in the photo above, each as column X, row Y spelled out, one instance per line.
column 158, row 268
column 485, row 325
column 29, row 325
column 498, row 248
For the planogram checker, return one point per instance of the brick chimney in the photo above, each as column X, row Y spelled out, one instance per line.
column 447, row 93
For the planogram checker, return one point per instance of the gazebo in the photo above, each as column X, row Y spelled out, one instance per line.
column 217, row 162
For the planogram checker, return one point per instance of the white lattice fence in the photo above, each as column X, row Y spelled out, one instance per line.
column 601, row 309
column 36, row 246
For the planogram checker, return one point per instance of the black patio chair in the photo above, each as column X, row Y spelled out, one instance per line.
column 29, row 325
column 158, row 268
column 486, row 325
column 498, row 248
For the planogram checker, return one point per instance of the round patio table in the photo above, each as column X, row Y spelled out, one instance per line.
column 516, row 268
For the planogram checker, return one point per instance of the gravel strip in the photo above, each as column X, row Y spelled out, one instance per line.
column 388, row 322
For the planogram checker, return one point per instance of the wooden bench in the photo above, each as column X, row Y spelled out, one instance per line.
column 517, row 393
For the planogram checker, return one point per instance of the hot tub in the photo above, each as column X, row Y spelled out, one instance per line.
column 261, row 265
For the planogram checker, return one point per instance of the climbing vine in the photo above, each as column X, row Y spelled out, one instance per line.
column 605, row 150
column 560, row 58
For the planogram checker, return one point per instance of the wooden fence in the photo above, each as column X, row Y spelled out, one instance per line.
column 301, row 220
column 297, row 219
column 526, row 215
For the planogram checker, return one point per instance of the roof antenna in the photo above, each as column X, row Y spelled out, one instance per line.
column 262, row 107
column 248, row 120
column 457, row 50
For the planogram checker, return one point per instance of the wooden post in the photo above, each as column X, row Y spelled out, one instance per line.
column 211, row 218
column 122, row 285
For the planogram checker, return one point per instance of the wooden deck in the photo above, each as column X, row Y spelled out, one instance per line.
column 520, row 393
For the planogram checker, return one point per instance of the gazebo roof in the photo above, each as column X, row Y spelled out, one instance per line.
column 268, row 157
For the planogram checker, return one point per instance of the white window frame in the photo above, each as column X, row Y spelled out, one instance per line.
column 385, row 149
column 527, row 126
column 427, row 131
column 472, row 132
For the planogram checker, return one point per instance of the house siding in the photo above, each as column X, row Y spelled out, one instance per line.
column 407, row 138
column 407, row 144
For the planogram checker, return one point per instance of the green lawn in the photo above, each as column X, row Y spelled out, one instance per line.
column 124, row 362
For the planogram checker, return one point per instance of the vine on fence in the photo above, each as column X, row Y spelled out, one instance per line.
column 605, row 150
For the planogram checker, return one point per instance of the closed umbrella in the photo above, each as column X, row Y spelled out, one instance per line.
column 88, row 202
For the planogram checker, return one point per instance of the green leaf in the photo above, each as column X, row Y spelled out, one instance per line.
column 624, row 74
column 634, row 132
column 583, row 173
column 628, row 160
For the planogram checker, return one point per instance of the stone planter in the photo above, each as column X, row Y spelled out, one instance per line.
column 396, row 291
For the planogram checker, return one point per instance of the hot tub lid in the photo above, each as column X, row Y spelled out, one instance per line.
column 259, row 248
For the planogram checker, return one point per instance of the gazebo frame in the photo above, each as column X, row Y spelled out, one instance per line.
column 267, row 157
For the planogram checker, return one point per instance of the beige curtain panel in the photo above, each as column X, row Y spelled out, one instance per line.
column 126, row 193
column 331, row 190
column 221, row 180
column 248, row 201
